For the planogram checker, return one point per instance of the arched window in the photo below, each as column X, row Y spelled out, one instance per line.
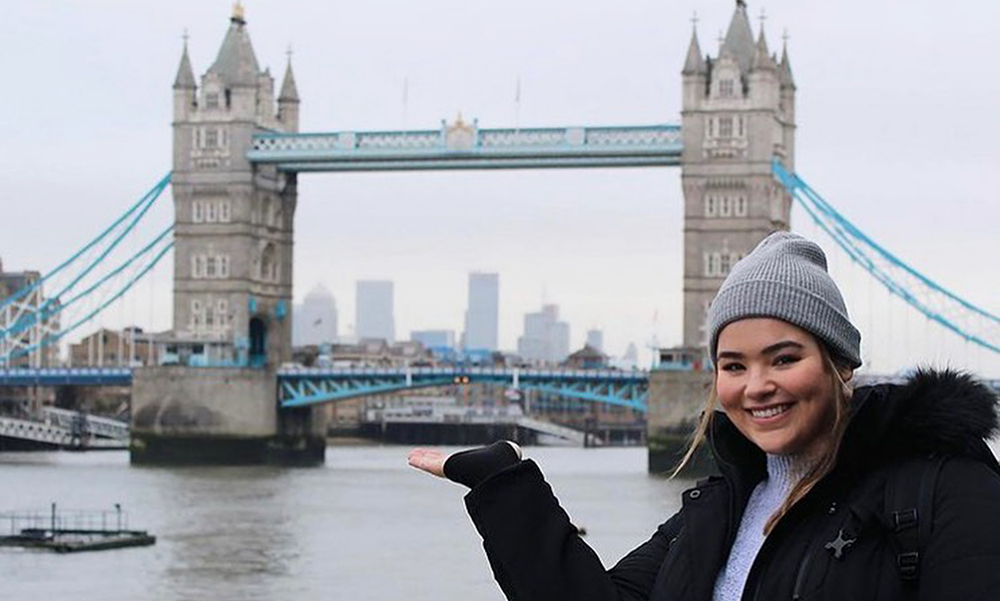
column 268, row 263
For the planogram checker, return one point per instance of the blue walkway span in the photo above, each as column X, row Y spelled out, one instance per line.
column 465, row 146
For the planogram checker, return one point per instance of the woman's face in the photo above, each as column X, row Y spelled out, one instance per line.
column 773, row 383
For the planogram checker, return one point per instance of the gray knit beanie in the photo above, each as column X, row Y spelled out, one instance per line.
column 785, row 277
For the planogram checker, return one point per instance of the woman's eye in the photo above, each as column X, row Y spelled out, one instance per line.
column 785, row 359
column 732, row 367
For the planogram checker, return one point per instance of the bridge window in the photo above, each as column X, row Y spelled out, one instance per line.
column 223, row 266
column 268, row 263
column 196, row 314
column 196, row 212
column 712, row 264
column 197, row 267
column 224, row 214
column 724, row 264
column 725, row 206
column 709, row 206
column 726, row 88
column 211, row 139
column 210, row 212
column 741, row 206
column 222, row 310
column 725, row 127
column 209, row 316
column 740, row 121
column 210, row 267
column 212, row 100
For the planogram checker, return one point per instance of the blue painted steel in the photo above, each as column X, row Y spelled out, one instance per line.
column 309, row 386
column 143, row 204
column 465, row 146
column 97, row 376
column 32, row 318
column 53, row 338
column 866, row 252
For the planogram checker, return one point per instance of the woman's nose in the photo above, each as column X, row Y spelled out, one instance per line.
column 759, row 384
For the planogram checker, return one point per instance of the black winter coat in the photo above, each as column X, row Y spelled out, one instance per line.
column 536, row 554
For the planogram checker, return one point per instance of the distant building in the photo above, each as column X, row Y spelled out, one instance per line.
column 595, row 340
column 434, row 339
column 314, row 321
column 545, row 339
column 19, row 349
column 374, row 310
column 483, row 313
column 587, row 358
column 114, row 348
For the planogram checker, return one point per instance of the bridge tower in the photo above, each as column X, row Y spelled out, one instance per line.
column 738, row 112
column 232, row 267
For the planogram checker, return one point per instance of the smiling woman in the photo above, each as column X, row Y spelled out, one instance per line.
column 884, row 492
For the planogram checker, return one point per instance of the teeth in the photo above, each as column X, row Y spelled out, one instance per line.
column 769, row 412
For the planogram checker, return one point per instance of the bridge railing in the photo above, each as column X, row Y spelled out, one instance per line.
column 461, row 144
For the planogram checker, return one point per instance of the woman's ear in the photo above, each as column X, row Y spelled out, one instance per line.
column 846, row 373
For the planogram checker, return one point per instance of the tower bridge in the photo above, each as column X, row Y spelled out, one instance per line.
column 237, row 156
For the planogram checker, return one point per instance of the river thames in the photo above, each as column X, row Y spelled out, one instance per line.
column 364, row 526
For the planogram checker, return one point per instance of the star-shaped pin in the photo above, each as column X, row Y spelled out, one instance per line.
column 840, row 544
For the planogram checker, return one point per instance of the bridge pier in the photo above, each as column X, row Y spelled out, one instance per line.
column 675, row 401
column 219, row 416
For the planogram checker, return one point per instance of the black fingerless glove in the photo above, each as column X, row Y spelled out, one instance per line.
column 475, row 465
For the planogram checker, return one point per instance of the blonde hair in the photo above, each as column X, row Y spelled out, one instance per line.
column 825, row 462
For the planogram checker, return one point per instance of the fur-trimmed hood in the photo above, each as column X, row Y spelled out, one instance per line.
column 945, row 412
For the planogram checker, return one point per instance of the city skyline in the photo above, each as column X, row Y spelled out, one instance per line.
column 874, row 95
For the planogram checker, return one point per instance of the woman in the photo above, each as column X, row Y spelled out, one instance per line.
column 881, row 492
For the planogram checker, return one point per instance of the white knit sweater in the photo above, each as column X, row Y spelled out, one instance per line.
column 783, row 472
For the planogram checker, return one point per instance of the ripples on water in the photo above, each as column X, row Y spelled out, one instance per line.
column 362, row 527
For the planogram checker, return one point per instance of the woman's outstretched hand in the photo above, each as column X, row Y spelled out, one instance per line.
column 428, row 460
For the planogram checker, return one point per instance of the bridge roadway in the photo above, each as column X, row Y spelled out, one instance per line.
column 300, row 387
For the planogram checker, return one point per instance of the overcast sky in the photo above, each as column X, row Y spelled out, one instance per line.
column 897, row 128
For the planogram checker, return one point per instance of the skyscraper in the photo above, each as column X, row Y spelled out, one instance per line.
column 595, row 340
column 374, row 310
column 482, row 315
column 314, row 321
column 545, row 339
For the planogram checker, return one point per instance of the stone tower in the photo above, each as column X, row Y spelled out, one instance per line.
column 214, row 398
column 233, row 236
column 738, row 113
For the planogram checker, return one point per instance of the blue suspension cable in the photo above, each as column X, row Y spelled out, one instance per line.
column 147, row 198
column 852, row 240
column 53, row 338
column 44, row 313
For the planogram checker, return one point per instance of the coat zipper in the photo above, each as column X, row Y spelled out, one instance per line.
column 800, row 577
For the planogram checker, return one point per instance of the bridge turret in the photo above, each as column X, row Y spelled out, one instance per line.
column 764, row 85
column 288, row 101
column 695, row 73
column 185, row 88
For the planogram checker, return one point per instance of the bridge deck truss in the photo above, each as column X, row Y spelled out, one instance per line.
column 304, row 387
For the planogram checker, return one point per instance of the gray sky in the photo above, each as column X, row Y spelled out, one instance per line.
column 897, row 129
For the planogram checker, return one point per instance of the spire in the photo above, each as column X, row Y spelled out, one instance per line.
column 185, row 74
column 762, row 56
column 695, row 64
column 739, row 38
column 785, row 68
column 236, row 62
column 289, row 93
